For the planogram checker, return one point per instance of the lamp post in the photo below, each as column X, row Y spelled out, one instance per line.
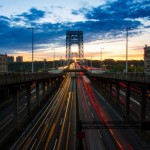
column 91, row 62
column 44, row 63
column 31, row 28
column 127, row 29
column 54, row 58
column 101, row 52
column 100, row 57
column 61, row 60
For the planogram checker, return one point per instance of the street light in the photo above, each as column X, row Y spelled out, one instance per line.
column 44, row 63
column 54, row 58
column 127, row 29
column 101, row 56
column 91, row 62
column 100, row 53
column 31, row 28
column 61, row 60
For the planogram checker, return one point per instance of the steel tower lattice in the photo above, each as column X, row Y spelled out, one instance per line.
column 74, row 37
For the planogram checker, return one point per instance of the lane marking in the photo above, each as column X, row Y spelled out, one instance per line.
column 67, row 140
column 28, row 127
column 33, row 144
column 40, row 114
column 61, row 121
column 46, row 121
column 108, row 104
column 10, row 120
column 92, row 115
column 55, row 145
column 65, row 116
column 99, row 134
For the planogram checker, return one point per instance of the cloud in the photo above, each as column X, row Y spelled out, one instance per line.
column 4, row 23
column 94, row 30
column 32, row 15
column 113, row 17
column 18, row 37
column 140, row 13
column 80, row 11
column 121, row 9
column 106, row 21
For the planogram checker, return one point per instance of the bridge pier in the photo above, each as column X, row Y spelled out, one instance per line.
column 16, row 91
column 50, row 85
column 127, row 100
column 117, row 93
column 37, row 94
column 47, row 86
column 7, row 93
column 110, row 91
column 28, row 90
column 143, row 104
column 53, row 83
column 15, row 107
column 101, row 86
column 43, row 88
column 105, row 86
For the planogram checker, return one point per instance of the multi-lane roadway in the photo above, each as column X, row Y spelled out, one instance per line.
column 93, row 107
column 55, row 126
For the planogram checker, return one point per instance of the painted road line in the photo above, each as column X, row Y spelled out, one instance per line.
column 99, row 134
column 61, row 121
column 92, row 115
column 55, row 145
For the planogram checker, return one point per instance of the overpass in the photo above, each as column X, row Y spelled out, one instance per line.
column 129, row 77
column 23, row 94
column 140, row 82
column 45, row 83
column 20, row 78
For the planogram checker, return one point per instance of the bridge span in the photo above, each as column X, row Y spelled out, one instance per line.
column 69, row 105
column 19, row 78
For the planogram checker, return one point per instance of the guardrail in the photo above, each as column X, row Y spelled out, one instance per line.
column 11, row 78
column 143, row 77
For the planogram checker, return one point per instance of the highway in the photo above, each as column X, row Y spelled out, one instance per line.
column 6, row 118
column 135, row 101
column 51, row 128
column 54, row 127
column 100, row 110
column 93, row 107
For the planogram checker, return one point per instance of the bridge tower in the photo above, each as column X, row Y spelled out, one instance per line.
column 74, row 37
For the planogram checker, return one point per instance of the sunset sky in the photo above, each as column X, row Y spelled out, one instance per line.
column 103, row 22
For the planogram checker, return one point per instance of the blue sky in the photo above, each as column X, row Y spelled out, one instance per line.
column 103, row 23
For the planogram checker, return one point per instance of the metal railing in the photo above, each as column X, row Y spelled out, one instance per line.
column 143, row 77
column 11, row 78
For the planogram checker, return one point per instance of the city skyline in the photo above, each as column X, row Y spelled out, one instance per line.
column 103, row 22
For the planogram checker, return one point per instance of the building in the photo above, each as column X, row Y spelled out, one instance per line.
column 10, row 59
column 3, row 63
column 147, row 58
column 19, row 59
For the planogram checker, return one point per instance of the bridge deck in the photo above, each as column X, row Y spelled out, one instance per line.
column 131, row 77
column 17, row 78
column 11, row 78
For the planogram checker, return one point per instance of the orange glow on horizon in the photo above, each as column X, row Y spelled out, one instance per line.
column 38, row 56
column 115, row 50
